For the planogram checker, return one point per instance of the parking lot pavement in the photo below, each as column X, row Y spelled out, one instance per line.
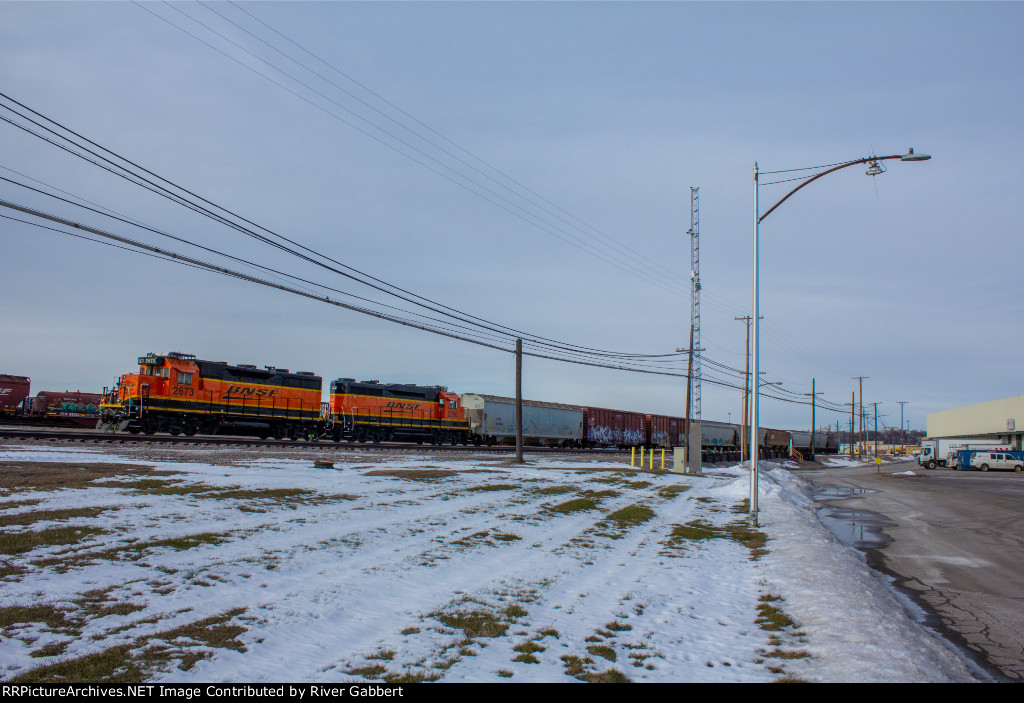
column 956, row 544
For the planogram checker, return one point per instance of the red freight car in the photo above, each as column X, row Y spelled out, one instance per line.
column 613, row 428
column 13, row 390
column 665, row 432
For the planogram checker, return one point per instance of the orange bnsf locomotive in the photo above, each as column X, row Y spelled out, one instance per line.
column 377, row 412
column 179, row 394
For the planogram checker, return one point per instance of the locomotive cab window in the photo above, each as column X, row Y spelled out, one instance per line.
column 185, row 377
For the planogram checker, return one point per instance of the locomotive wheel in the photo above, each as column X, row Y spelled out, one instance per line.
column 175, row 430
column 189, row 428
column 134, row 430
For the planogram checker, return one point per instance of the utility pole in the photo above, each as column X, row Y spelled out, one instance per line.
column 903, row 437
column 861, row 433
column 519, row 401
column 876, row 428
column 853, row 409
column 814, row 396
column 744, row 427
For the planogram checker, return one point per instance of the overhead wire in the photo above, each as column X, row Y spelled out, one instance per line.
column 350, row 272
column 647, row 262
column 511, row 207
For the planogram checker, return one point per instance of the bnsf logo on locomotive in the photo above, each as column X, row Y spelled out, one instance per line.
column 245, row 390
column 402, row 406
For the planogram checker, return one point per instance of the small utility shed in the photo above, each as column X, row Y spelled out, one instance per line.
column 1000, row 419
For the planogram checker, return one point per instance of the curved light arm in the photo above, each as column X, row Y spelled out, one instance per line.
column 911, row 156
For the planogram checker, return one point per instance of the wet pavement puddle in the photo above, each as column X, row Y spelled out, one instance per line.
column 860, row 529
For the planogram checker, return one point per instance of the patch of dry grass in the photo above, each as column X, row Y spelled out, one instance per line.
column 49, row 515
column 137, row 661
column 740, row 531
column 21, row 542
column 52, row 475
column 427, row 474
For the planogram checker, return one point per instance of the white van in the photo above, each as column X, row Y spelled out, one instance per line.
column 997, row 460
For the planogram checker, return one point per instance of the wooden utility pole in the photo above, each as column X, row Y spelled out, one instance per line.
column 519, row 401
column 814, row 397
column 903, row 437
column 689, row 384
column 745, row 427
column 861, row 433
column 853, row 409
column 876, row 428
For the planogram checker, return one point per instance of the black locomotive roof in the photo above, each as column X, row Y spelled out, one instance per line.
column 251, row 374
column 387, row 390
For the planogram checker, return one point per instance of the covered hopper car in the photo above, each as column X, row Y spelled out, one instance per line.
column 492, row 420
column 62, row 408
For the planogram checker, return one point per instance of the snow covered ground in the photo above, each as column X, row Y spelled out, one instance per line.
column 405, row 568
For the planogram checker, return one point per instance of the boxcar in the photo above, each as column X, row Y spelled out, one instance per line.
column 613, row 428
column 492, row 420
column 13, row 390
column 663, row 431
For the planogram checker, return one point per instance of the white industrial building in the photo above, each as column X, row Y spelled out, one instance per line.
column 996, row 419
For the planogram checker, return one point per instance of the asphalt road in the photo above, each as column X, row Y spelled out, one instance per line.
column 953, row 540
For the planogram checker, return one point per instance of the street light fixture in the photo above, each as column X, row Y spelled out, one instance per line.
column 875, row 167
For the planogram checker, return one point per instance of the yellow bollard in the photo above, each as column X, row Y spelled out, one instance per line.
column 632, row 457
column 662, row 459
column 641, row 457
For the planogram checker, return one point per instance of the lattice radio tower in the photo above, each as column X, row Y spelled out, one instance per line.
column 695, row 300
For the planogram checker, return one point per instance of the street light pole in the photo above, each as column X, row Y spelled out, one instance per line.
column 874, row 169
column 755, row 445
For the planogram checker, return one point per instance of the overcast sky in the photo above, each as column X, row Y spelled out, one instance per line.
column 608, row 113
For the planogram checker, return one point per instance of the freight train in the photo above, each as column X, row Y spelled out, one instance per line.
column 17, row 405
column 180, row 394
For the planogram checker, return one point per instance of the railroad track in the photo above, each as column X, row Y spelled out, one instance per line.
column 108, row 438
